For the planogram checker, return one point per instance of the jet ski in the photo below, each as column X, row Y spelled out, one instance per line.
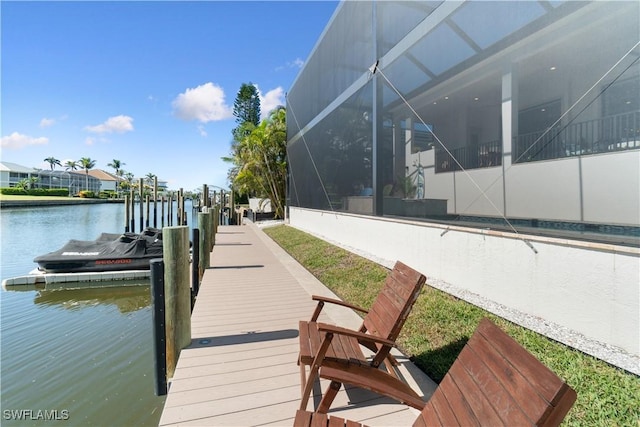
column 109, row 252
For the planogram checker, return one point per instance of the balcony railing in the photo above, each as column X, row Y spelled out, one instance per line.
column 483, row 155
column 612, row 133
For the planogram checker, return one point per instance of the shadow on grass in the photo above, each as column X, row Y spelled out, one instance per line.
column 435, row 363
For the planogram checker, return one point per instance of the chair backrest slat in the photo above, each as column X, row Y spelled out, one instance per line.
column 495, row 381
column 394, row 302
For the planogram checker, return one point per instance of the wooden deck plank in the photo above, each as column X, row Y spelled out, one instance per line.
column 241, row 366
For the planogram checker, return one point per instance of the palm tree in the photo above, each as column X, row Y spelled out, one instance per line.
column 117, row 166
column 129, row 177
column 87, row 163
column 53, row 162
column 127, row 184
column 150, row 178
column 26, row 183
column 259, row 160
column 71, row 164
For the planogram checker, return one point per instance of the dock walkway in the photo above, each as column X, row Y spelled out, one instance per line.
column 240, row 369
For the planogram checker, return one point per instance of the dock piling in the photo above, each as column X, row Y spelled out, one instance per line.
column 132, row 198
column 204, row 225
column 141, row 192
column 159, row 331
column 126, row 213
column 147, row 200
column 196, row 277
column 177, row 292
column 155, row 202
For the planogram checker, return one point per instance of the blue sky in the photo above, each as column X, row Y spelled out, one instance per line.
column 151, row 84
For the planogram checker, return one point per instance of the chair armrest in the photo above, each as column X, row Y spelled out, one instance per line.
column 360, row 336
column 322, row 300
column 338, row 302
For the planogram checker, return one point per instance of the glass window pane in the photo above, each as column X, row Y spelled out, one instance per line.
column 504, row 17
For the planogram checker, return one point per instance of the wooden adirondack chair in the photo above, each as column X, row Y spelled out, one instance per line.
column 334, row 352
column 493, row 382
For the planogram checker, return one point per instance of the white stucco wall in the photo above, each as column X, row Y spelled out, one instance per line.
column 602, row 188
column 590, row 288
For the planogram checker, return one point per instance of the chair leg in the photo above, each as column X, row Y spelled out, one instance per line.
column 303, row 377
column 313, row 370
column 329, row 395
column 391, row 367
column 307, row 385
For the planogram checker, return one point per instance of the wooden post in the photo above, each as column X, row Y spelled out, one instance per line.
column 155, row 202
column 132, row 196
column 169, row 211
column 175, row 246
column 141, row 204
column 204, row 225
column 205, row 195
column 126, row 213
column 180, row 207
column 148, row 216
column 216, row 218
column 195, row 265
column 212, row 228
column 162, row 212
column 232, row 208
column 223, row 203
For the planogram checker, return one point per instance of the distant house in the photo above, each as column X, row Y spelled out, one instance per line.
column 12, row 173
column 108, row 181
column 97, row 180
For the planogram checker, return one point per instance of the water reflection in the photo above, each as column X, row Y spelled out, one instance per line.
column 126, row 298
column 88, row 351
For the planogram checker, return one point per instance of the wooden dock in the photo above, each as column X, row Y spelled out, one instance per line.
column 240, row 369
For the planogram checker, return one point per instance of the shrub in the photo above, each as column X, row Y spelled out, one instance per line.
column 64, row 192
column 86, row 194
column 13, row 191
column 107, row 194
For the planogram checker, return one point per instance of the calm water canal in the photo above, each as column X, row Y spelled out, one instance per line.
column 83, row 356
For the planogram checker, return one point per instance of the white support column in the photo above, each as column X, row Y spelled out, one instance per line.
column 408, row 141
column 509, row 125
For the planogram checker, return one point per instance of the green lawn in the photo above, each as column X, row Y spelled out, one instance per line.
column 440, row 325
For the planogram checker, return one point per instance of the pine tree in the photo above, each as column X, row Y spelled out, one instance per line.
column 246, row 107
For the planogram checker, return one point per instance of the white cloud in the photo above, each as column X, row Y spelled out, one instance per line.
column 16, row 141
column 46, row 122
column 202, row 131
column 296, row 63
column 90, row 141
column 117, row 124
column 270, row 100
column 205, row 103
